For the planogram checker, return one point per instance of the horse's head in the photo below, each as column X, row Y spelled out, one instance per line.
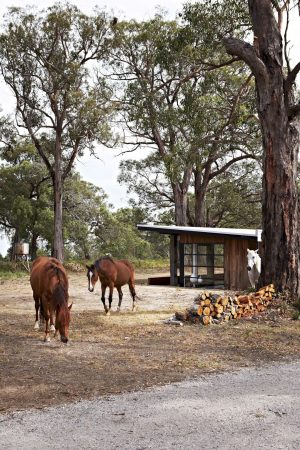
column 62, row 322
column 92, row 276
column 252, row 259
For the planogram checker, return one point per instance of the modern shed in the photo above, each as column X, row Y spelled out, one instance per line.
column 203, row 256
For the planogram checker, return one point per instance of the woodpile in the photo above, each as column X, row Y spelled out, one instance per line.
column 213, row 308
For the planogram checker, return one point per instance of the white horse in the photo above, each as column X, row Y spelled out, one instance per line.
column 253, row 266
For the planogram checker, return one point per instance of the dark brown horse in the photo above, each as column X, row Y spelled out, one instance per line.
column 112, row 273
column 50, row 285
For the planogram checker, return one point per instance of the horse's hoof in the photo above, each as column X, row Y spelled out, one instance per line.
column 52, row 328
column 118, row 309
column 107, row 313
column 47, row 339
column 36, row 326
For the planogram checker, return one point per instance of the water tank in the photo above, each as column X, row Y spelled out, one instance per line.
column 22, row 248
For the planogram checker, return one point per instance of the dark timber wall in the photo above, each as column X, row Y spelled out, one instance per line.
column 235, row 251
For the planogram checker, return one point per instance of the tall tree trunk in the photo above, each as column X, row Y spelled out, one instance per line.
column 180, row 199
column 200, row 192
column 34, row 246
column 280, row 258
column 58, row 244
column 15, row 240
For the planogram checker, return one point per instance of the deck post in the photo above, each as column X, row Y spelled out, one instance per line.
column 173, row 260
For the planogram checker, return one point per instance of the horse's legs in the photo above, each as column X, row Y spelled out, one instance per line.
column 52, row 327
column 251, row 279
column 133, row 293
column 120, row 297
column 103, row 289
column 47, row 337
column 37, row 307
column 111, row 289
column 46, row 315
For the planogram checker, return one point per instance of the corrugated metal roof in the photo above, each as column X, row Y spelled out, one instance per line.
column 174, row 229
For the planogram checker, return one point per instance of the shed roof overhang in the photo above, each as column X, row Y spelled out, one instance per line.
column 230, row 232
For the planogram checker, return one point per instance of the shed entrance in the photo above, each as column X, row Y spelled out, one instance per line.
column 202, row 265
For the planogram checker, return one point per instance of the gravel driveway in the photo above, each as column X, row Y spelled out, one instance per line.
column 247, row 409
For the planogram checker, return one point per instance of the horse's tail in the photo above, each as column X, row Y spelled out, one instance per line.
column 59, row 273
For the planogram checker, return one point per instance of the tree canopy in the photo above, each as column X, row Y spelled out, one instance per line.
column 46, row 60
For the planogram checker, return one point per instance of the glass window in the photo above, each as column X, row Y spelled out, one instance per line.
column 203, row 265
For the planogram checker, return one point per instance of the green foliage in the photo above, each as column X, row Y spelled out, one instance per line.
column 10, row 270
column 52, row 75
column 151, row 264
column 209, row 21
column 234, row 198
column 25, row 190
column 197, row 120
column 47, row 59
column 119, row 236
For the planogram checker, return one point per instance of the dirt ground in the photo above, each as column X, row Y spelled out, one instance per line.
column 126, row 351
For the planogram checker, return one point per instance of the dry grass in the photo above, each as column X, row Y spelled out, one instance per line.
column 129, row 351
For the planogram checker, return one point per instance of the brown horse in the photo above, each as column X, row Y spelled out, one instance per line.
column 112, row 273
column 50, row 285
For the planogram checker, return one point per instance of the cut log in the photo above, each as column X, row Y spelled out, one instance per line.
column 224, row 301
column 219, row 309
column 206, row 311
column 243, row 299
column 206, row 320
column 193, row 310
column 214, row 298
column 200, row 311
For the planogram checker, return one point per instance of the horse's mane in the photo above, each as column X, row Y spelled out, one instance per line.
column 60, row 292
column 60, row 295
column 97, row 263
column 109, row 257
column 103, row 258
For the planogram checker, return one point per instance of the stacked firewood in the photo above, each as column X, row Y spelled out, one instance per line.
column 213, row 308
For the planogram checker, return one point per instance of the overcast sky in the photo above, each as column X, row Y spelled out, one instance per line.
column 104, row 171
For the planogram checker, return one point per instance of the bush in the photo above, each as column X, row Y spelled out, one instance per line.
column 9, row 269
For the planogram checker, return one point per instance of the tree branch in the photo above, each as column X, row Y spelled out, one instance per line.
column 247, row 53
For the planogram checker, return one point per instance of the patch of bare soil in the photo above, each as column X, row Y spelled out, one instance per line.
column 126, row 351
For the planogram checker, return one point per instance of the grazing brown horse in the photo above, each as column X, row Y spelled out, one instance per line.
column 50, row 285
column 112, row 273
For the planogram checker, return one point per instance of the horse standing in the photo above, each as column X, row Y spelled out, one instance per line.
column 50, row 285
column 253, row 266
column 112, row 273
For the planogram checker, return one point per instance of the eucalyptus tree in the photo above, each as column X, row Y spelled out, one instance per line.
column 265, row 50
column 118, row 235
column 233, row 198
column 46, row 58
column 147, row 183
column 26, row 195
column 172, row 107
column 85, row 208
column 279, row 113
